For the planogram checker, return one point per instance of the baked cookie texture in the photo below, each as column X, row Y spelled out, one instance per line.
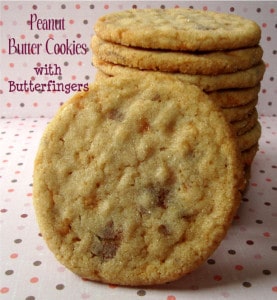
column 239, row 112
column 207, row 63
column 178, row 29
column 242, row 79
column 136, row 181
column 250, row 138
column 235, row 97
column 242, row 126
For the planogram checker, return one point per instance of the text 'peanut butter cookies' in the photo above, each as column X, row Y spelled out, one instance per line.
column 136, row 181
column 211, row 63
column 178, row 29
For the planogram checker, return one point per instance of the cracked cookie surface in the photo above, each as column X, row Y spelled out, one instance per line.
column 178, row 29
column 136, row 181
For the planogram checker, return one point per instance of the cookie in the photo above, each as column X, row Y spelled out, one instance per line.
column 178, row 29
column 244, row 125
column 239, row 112
column 242, row 79
column 212, row 63
column 250, row 138
column 235, row 97
column 136, row 181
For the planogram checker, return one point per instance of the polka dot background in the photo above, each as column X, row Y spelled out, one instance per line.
column 245, row 264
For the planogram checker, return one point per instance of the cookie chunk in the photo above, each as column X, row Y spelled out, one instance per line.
column 212, row 63
column 178, row 29
column 136, row 181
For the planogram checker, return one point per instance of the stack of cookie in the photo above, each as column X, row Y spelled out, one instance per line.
column 137, row 180
column 218, row 52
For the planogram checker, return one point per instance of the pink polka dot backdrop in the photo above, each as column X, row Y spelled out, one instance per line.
column 245, row 264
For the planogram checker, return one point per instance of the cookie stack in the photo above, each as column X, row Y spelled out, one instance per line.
column 218, row 52
column 129, row 187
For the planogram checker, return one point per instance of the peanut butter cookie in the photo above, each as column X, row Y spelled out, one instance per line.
column 178, row 29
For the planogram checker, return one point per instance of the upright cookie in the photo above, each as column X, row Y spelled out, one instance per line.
column 137, row 180
column 238, row 80
column 212, row 63
column 178, row 29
